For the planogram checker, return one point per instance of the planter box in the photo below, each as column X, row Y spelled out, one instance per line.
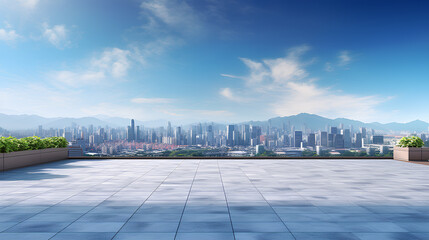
column 1, row 161
column 411, row 154
column 32, row 157
column 425, row 153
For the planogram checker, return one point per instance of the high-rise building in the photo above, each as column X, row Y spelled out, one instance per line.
column 363, row 131
column 40, row 131
column 297, row 138
column 358, row 140
column 131, row 131
column 338, row 141
column 138, row 134
column 331, row 140
column 324, row 139
column 311, row 140
column 378, row 140
column 178, row 135
column 334, row 130
column 210, row 136
column 347, row 138
column 246, row 135
column 230, row 135
column 169, row 130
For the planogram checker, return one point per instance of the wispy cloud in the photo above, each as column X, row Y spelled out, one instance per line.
column 113, row 63
column 344, row 58
column 286, row 87
column 151, row 100
column 57, row 35
column 176, row 15
column 230, row 95
column 30, row 4
column 8, row 35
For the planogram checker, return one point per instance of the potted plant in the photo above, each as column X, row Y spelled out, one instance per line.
column 15, row 153
column 411, row 149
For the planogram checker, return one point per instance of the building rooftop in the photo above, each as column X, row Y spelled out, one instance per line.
column 216, row 199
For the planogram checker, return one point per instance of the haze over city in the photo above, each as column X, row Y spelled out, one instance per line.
column 221, row 61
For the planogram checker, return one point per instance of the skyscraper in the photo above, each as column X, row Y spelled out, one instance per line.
column 298, row 138
column 230, row 135
column 378, row 139
column 324, row 139
column 131, row 131
column 347, row 138
column 363, row 131
column 358, row 140
column 311, row 140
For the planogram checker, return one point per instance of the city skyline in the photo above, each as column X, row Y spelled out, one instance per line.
column 244, row 139
column 219, row 61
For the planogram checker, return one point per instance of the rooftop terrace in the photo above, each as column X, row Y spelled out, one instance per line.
column 216, row 199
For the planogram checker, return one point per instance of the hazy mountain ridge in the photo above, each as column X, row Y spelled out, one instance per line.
column 312, row 121
column 315, row 122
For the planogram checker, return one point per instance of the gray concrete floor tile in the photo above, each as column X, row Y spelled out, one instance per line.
column 37, row 226
column 259, row 227
column 263, row 236
column 325, row 236
column 144, row 236
column 315, row 199
column 26, row 236
column 150, row 227
column 94, row 227
column 205, row 236
column 209, row 227
column 84, row 236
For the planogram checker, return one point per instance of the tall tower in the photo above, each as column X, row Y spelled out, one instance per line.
column 298, row 138
column 131, row 131
column 230, row 135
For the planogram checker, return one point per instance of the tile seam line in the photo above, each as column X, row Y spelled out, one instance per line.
column 134, row 213
column 268, row 203
column 52, row 206
column 187, row 198
column 100, row 202
column 226, row 199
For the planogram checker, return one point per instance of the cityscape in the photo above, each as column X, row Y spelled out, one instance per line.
column 214, row 120
column 225, row 140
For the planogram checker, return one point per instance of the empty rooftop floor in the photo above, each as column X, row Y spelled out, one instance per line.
column 216, row 199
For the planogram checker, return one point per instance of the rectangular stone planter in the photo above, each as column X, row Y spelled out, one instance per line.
column 31, row 157
column 411, row 154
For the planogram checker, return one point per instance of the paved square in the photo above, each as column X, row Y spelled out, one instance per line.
column 216, row 199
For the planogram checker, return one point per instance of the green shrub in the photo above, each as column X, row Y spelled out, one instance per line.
column 412, row 141
column 11, row 144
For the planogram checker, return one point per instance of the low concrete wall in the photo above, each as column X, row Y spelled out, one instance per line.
column 32, row 157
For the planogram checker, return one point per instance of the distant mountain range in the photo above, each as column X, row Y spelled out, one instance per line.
column 23, row 122
column 312, row 121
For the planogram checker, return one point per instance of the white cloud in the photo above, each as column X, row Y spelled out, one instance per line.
column 177, row 15
column 344, row 58
column 57, row 35
column 113, row 63
column 284, row 85
column 8, row 35
column 151, row 100
column 29, row 4
column 77, row 79
column 230, row 95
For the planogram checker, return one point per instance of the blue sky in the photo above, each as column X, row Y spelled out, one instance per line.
column 206, row 60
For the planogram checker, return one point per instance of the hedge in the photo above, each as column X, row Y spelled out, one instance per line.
column 11, row 144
